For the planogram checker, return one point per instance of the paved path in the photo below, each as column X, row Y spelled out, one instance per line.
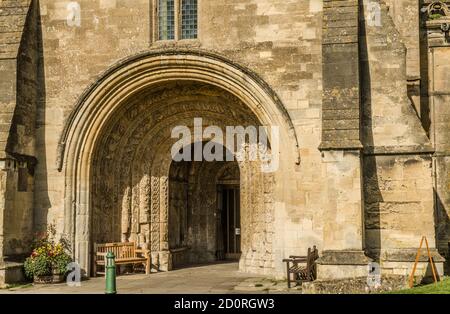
column 218, row 278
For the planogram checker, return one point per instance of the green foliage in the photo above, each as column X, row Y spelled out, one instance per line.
column 60, row 263
column 49, row 256
column 442, row 287
column 38, row 266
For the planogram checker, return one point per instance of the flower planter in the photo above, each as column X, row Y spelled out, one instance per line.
column 48, row 257
column 42, row 280
column 58, row 278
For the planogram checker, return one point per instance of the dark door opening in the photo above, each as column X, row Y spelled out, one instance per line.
column 230, row 222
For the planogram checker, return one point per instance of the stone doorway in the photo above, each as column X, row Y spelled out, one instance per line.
column 230, row 221
column 115, row 152
column 204, row 211
column 141, row 194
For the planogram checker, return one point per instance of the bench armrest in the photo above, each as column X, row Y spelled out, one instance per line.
column 146, row 252
column 296, row 260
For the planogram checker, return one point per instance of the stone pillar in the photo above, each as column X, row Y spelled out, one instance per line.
column 398, row 189
column 10, row 271
column 438, row 43
column 406, row 18
column 342, row 255
column 144, row 212
column 83, row 232
column 154, row 223
column 343, row 231
column 10, row 228
column 165, row 258
column 3, row 180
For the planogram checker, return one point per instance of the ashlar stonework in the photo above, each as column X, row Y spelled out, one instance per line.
column 361, row 102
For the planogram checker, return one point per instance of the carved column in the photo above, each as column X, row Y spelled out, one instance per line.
column 165, row 258
column 135, row 203
column 155, row 222
column 126, row 214
column 144, row 211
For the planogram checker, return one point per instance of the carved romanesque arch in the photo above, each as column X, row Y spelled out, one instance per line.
column 99, row 104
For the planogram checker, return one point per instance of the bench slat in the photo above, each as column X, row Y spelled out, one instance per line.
column 125, row 253
column 125, row 261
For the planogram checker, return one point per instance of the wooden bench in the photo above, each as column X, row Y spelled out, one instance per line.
column 126, row 253
column 302, row 267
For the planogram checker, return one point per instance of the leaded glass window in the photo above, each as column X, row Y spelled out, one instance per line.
column 188, row 19
column 166, row 19
column 176, row 19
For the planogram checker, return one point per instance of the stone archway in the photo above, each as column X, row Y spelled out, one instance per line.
column 132, row 164
column 115, row 150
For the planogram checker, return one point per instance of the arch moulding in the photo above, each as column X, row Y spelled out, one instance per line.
column 127, row 78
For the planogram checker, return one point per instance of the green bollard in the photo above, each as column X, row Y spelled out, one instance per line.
column 110, row 270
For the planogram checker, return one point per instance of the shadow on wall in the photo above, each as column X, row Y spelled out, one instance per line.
column 441, row 214
column 424, row 73
column 23, row 140
column 41, row 199
column 372, row 193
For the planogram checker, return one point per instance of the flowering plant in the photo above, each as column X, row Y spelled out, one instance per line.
column 48, row 255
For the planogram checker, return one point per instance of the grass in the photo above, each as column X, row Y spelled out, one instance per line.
column 442, row 287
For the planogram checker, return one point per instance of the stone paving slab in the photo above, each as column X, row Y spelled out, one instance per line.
column 266, row 285
column 222, row 278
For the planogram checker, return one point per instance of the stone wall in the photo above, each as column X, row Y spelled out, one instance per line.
column 278, row 40
column 18, row 120
column 398, row 195
column 406, row 17
column 358, row 193
column 8, row 83
column 30, row 87
column 13, row 17
column 340, row 110
column 398, row 186
column 439, row 113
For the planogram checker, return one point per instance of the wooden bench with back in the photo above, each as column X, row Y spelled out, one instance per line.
column 302, row 267
column 125, row 254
